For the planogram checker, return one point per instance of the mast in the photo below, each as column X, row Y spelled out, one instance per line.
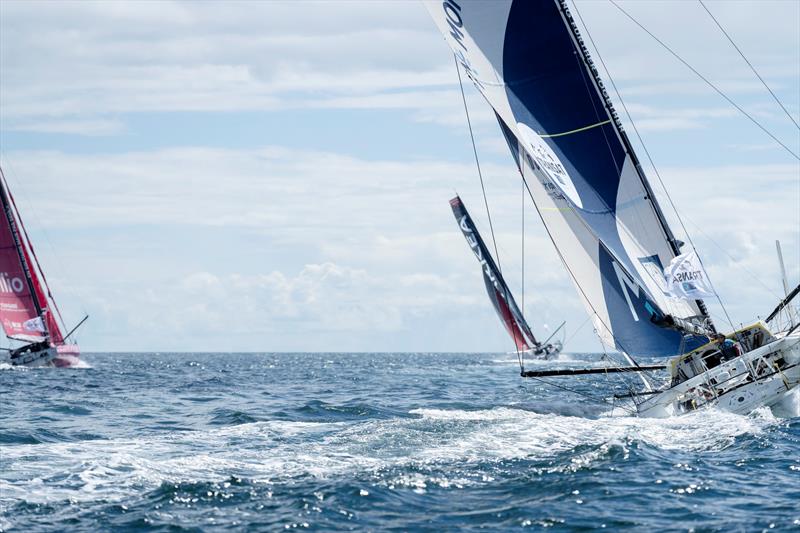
column 792, row 315
column 9, row 215
column 628, row 147
column 783, row 268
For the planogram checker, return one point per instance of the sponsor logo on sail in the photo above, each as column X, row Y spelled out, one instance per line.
column 686, row 277
column 473, row 243
column 11, row 285
column 543, row 159
column 452, row 15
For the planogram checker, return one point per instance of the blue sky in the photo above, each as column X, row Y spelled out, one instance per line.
column 274, row 176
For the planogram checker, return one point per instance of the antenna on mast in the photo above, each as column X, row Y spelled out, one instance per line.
column 793, row 319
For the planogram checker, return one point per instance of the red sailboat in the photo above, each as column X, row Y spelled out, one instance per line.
column 28, row 313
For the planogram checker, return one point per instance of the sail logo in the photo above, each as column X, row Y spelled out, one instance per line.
column 10, row 285
column 696, row 275
column 687, row 279
column 476, row 249
column 542, row 158
column 452, row 15
column 626, row 283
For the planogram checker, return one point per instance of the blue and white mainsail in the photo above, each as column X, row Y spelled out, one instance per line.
column 528, row 61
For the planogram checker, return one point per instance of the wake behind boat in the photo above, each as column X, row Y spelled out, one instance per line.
column 643, row 293
column 500, row 295
column 28, row 313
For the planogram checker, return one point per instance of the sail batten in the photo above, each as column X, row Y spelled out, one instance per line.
column 528, row 61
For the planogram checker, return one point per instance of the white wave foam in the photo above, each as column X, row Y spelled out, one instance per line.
column 274, row 450
column 789, row 406
column 80, row 364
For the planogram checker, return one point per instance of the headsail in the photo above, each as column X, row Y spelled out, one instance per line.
column 528, row 61
column 499, row 293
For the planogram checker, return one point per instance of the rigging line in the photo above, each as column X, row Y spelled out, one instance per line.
column 578, row 43
column 706, row 80
column 12, row 174
column 625, row 380
column 576, row 391
column 732, row 258
column 33, row 251
column 588, row 318
column 644, row 147
column 597, row 114
column 486, row 204
column 764, row 83
column 522, row 242
column 572, row 275
column 477, row 162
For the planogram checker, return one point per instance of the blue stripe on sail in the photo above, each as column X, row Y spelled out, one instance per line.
column 544, row 74
column 511, row 139
column 624, row 298
column 562, row 96
column 551, row 92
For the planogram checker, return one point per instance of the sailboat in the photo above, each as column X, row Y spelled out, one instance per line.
column 529, row 62
column 28, row 313
column 500, row 295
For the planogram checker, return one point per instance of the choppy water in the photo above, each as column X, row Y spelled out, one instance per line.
column 367, row 442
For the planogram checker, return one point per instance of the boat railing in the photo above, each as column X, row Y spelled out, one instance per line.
column 734, row 373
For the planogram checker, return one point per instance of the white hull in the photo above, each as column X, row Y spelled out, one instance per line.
column 548, row 352
column 34, row 359
column 758, row 378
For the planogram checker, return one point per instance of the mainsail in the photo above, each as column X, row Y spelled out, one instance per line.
column 527, row 59
column 24, row 310
column 499, row 293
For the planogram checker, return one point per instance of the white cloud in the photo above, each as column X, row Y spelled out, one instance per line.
column 362, row 254
column 69, row 59
column 87, row 127
column 88, row 57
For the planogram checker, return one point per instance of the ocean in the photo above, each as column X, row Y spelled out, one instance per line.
column 405, row 441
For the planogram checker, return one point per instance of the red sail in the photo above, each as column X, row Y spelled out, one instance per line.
column 56, row 337
column 17, row 304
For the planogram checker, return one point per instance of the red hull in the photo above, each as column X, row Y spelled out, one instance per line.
column 68, row 355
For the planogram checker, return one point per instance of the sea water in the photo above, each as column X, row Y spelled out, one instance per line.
column 374, row 442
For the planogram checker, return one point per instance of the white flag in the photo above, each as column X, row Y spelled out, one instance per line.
column 687, row 279
column 34, row 324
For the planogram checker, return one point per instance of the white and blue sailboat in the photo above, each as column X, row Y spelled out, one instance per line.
column 529, row 62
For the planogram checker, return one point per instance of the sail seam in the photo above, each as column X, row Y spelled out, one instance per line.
column 589, row 127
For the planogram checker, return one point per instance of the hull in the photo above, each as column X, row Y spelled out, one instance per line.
column 67, row 355
column 62, row 356
column 35, row 358
column 546, row 352
column 758, row 378
column 552, row 351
